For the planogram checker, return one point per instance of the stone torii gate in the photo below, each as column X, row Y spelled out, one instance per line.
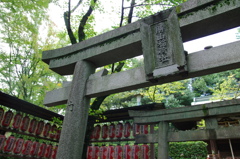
column 159, row 38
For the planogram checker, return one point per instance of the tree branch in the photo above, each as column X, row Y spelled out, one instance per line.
column 78, row 4
column 147, row 4
column 81, row 34
column 67, row 17
column 121, row 21
column 131, row 12
column 122, row 14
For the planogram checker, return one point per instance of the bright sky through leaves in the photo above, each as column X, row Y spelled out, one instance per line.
column 106, row 21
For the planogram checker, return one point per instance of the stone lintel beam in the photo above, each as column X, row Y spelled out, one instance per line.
column 216, row 109
column 97, row 40
column 193, row 135
column 194, row 5
column 57, row 96
column 63, row 93
column 125, row 42
column 201, row 63
column 209, row 19
column 100, row 55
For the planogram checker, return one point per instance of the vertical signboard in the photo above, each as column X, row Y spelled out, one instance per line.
column 162, row 45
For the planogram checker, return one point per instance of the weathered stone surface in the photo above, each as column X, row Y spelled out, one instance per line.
column 214, row 59
column 197, row 112
column 201, row 63
column 102, row 54
column 193, row 135
column 75, row 121
column 211, row 123
column 132, row 77
column 100, row 39
column 66, row 83
column 63, row 93
column 57, row 96
column 163, row 146
column 98, row 74
column 162, row 45
column 193, row 5
column 211, row 19
column 196, row 135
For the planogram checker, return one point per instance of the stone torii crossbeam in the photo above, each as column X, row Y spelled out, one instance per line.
column 159, row 38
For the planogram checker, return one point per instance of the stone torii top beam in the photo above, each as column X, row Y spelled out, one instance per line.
column 196, row 19
column 125, row 42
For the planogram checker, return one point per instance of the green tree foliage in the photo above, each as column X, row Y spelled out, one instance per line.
column 22, row 73
column 218, row 84
column 174, row 94
column 223, row 85
column 181, row 98
column 228, row 88
column 200, row 86
column 190, row 150
column 148, row 7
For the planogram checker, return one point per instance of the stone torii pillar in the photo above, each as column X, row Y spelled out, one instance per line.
column 75, row 120
column 163, row 144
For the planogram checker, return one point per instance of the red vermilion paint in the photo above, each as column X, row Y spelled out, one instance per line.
column 47, row 128
column 103, row 152
column 48, row 151
column 17, row 121
column 58, row 133
column 90, row 152
column 96, row 132
column 126, row 152
column 136, row 129
column 53, row 132
column 145, row 151
column 32, row 126
column 104, row 131
column 118, row 152
column 40, row 127
column 110, row 152
column 7, row 118
column 2, row 141
column 54, row 152
column 42, row 150
column 9, row 144
column 135, row 152
column 35, row 148
column 25, row 123
column 18, row 146
column 119, row 130
column 143, row 129
column 127, row 129
column 95, row 152
column 27, row 147
column 111, row 130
